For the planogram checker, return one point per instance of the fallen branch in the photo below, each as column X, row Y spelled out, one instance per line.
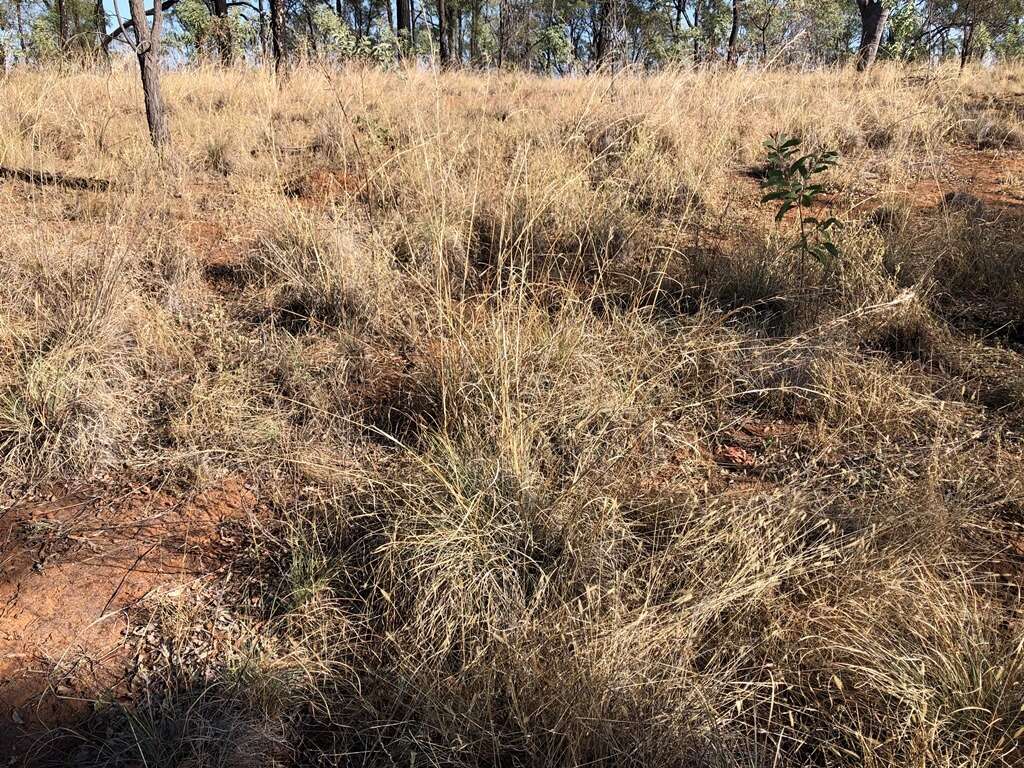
column 51, row 178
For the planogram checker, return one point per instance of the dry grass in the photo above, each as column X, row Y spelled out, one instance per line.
column 567, row 463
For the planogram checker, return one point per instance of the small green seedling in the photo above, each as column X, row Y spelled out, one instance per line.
column 792, row 181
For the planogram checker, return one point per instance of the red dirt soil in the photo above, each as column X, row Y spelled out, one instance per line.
column 996, row 178
column 72, row 569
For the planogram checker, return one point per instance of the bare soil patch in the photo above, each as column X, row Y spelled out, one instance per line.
column 73, row 568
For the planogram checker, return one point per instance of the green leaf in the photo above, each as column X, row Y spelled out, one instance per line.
column 786, row 206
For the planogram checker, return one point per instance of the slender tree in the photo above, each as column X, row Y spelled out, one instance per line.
column 147, row 50
column 19, row 18
column 873, row 16
column 403, row 11
column 455, row 51
column 605, row 31
column 733, row 53
column 277, row 35
column 63, row 26
column 101, row 29
column 264, row 37
column 225, row 45
column 696, row 29
column 474, row 33
column 761, row 16
column 442, row 33
column 966, row 43
column 979, row 20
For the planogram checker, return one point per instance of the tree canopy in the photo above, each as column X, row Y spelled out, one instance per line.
column 553, row 36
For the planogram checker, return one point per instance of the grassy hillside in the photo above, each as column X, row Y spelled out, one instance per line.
column 541, row 445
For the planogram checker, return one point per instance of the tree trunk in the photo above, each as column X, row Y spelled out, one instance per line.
column 310, row 33
column 603, row 32
column 277, row 35
column 474, row 30
column 501, row 33
column 451, row 24
column 101, row 30
column 403, row 12
column 442, row 32
column 402, row 16
column 147, row 47
column 264, row 42
column 967, row 45
column 225, row 45
column 357, row 22
column 79, row 39
column 873, row 16
column 460, row 37
column 62, row 26
column 21, row 26
column 732, row 57
column 576, row 40
column 696, row 31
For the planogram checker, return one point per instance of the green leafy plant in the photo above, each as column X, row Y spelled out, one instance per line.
column 339, row 42
column 554, row 46
column 793, row 181
column 200, row 32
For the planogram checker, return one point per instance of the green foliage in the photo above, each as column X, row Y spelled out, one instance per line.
column 783, row 31
column 793, row 182
column 1010, row 44
column 384, row 49
column 559, row 35
column 7, row 36
column 340, row 43
column 195, row 21
column 202, row 33
column 43, row 43
column 42, row 37
column 983, row 40
column 906, row 24
column 554, row 45
column 337, row 38
column 486, row 43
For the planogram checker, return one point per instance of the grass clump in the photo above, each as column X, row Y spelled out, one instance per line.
column 557, row 456
column 72, row 392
